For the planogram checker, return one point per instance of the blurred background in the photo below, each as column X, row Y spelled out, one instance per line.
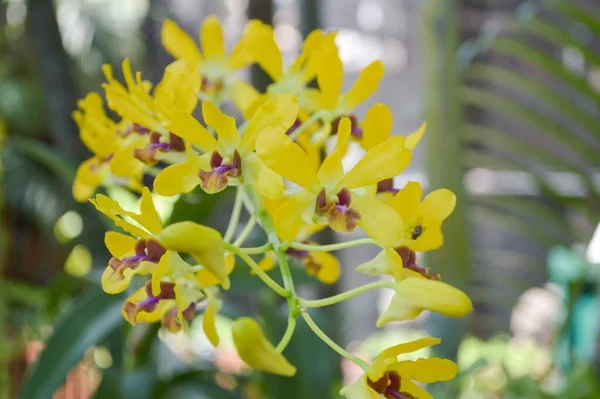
column 511, row 93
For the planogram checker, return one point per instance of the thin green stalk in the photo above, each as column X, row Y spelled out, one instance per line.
column 289, row 332
column 256, row 250
column 309, row 122
column 246, row 232
column 267, row 225
column 332, row 300
column 333, row 247
column 325, row 338
column 235, row 214
column 259, row 272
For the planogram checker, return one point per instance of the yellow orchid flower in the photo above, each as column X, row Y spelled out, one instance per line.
column 323, row 265
column 143, row 307
column 188, row 291
column 101, row 136
column 149, row 141
column 152, row 243
column 391, row 378
column 256, row 350
column 415, row 294
column 295, row 80
column 416, row 290
column 172, row 306
column 213, row 64
column 422, row 219
column 329, row 195
column 231, row 159
column 329, row 75
column 377, row 127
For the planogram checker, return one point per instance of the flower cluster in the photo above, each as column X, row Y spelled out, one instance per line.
column 285, row 178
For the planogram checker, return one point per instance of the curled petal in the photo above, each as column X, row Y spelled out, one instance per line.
column 386, row 262
column 114, row 282
column 407, row 347
column 181, row 178
column 148, row 217
column 113, row 210
column 206, row 278
column 119, row 244
column 256, row 350
column 414, row 295
column 90, row 174
column 208, row 322
column 203, row 243
column 427, row 370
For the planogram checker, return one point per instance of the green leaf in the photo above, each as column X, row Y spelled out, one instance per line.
column 529, row 116
column 63, row 168
column 88, row 321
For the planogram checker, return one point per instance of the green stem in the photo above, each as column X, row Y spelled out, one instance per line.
column 287, row 336
column 259, row 272
column 267, row 225
column 246, row 232
column 332, row 300
column 309, row 122
column 333, row 247
column 256, row 250
column 235, row 214
column 325, row 338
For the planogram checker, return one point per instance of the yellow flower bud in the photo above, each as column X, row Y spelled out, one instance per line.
column 256, row 350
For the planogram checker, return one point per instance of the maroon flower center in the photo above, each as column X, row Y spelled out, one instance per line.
column 217, row 179
column 148, row 154
column 150, row 303
column 355, row 130
column 170, row 322
column 145, row 250
column 389, row 386
column 212, row 87
column 409, row 260
column 340, row 215
column 294, row 126
column 386, row 186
